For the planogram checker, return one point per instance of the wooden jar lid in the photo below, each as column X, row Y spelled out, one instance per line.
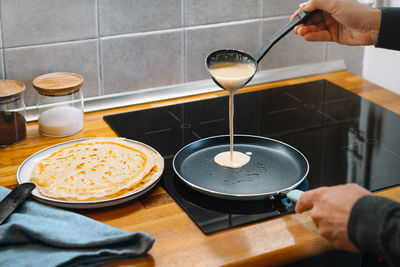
column 10, row 89
column 58, row 83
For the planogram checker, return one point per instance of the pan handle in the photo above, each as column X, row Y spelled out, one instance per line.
column 294, row 195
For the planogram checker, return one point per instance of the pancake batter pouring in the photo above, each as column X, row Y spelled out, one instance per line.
column 232, row 76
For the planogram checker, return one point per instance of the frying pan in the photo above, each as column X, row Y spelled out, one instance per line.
column 274, row 167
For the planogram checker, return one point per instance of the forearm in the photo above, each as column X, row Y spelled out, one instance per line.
column 374, row 227
column 389, row 36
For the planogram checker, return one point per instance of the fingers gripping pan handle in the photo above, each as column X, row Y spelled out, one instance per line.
column 300, row 18
column 294, row 195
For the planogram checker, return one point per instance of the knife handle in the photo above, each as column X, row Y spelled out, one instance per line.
column 14, row 199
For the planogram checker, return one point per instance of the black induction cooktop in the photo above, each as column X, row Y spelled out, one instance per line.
column 346, row 139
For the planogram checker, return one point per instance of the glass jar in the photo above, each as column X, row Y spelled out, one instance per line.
column 12, row 112
column 59, row 103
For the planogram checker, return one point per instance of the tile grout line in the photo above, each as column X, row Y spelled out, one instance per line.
column 137, row 34
column 260, row 28
column 99, row 55
column 52, row 43
column 183, row 21
column 3, row 61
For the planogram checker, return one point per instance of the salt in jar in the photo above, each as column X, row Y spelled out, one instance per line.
column 59, row 103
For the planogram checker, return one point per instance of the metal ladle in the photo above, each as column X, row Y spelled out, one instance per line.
column 237, row 56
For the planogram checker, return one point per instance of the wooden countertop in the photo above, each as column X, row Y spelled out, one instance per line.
column 178, row 240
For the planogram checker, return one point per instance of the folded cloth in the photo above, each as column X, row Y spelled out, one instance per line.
column 39, row 235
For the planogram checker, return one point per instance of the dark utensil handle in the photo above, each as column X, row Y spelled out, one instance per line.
column 300, row 18
column 14, row 199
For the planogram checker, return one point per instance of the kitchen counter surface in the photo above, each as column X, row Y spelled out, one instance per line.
column 179, row 242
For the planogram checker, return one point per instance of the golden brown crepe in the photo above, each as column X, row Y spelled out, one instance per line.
column 95, row 169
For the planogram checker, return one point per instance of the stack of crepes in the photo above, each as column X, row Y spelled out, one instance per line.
column 96, row 169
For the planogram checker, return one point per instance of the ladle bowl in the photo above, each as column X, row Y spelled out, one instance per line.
column 230, row 55
column 237, row 56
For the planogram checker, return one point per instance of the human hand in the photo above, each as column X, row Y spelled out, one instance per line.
column 330, row 211
column 342, row 21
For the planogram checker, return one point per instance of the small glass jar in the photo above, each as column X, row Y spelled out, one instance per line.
column 12, row 112
column 59, row 103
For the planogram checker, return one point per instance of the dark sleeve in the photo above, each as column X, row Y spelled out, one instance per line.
column 374, row 227
column 389, row 33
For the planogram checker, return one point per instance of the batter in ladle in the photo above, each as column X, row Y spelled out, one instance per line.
column 231, row 76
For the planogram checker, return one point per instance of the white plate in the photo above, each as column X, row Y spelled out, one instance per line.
column 25, row 170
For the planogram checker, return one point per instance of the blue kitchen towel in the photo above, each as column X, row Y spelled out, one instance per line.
column 39, row 235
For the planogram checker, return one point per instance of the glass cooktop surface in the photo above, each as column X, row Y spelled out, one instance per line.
column 346, row 139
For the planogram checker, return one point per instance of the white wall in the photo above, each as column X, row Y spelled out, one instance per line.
column 382, row 66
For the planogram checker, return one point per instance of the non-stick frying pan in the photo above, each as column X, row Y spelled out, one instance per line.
column 274, row 167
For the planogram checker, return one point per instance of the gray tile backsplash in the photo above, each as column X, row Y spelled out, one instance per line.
column 279, row 7
column 127, row 45
column 291, row 49
column 130, row 16
column 1, row 65
column 26, row 63
column 211, row 11
column 350, row 54
column 28, row 22
column 136, row 62
column 1, row 39
column 201, row 42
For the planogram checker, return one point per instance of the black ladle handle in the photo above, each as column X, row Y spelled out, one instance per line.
column 301, row 17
